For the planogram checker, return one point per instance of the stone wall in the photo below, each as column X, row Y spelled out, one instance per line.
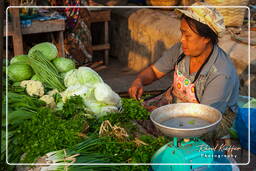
column 139, row 36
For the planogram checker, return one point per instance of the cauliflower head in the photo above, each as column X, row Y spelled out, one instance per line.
column 53, row 92
column 49, row 100
column 33, row 87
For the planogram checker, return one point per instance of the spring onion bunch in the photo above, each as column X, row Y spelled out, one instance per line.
column 84, row 152
column 46, row 71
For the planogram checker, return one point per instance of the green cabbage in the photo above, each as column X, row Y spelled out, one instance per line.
column 22, row 59
column 19, row 72
column 82, row 76
column 64, row 64
column 49, row 50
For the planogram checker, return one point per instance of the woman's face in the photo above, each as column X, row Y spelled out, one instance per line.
column 192, row 43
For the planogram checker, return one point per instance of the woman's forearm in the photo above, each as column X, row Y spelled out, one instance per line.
column 146, row 77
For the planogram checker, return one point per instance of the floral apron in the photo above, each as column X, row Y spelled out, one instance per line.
column 182, row 89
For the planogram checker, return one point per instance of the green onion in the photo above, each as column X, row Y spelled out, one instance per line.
column 83, row 152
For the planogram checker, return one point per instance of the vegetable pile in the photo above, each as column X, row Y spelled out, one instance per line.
column 67, row 115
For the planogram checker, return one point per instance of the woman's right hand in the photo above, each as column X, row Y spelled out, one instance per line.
column 136, row 89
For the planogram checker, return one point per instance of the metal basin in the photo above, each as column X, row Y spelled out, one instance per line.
column 181, row 110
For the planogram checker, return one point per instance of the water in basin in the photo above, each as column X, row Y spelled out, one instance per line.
column 185, row 122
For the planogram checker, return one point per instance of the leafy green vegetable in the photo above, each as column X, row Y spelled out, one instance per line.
column 134, row 110
column 63, row 64
column 131, row 110
column 191, row 122
column 49, row 50
column 48, row 130
column 21, row 59
column 122, row 152
column 19, row 72
column 37, row 129
column 35, row 77
column 73, row 106
column 45, row 70
column 45, row 132
column 18, row 116
column 21, row 107
column 18, row 101
column 15, row 87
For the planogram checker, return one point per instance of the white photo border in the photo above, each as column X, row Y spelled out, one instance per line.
column 125, row 7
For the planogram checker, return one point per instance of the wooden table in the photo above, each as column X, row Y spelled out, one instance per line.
column 16, row 31
column 102, row 16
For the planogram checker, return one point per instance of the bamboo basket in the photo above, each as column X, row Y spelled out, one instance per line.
column 232, row 16
column 162, row 2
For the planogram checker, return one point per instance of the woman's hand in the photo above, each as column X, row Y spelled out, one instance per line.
column 136, row 90
column 147, row 76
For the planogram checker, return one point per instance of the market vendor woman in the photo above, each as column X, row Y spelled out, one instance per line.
column 203, row 72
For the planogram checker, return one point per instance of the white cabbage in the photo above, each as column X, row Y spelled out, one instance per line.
column 82, row 76
column 100, row 109
column 78, row 90
column 103, row 93
column 70, row 78
column 98, row 97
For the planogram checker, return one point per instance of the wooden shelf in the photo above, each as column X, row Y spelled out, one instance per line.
column 39, row 27
column 100, row 16
column 101, row 47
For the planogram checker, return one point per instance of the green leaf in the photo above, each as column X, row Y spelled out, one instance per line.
column 19, row 116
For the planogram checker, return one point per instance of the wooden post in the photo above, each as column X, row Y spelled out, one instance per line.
column 102, row 16
column 106, row 39
column 186, row 2
column 60, row 44
column 17, row 35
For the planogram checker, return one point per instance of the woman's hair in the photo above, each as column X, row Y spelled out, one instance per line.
column 201, row 29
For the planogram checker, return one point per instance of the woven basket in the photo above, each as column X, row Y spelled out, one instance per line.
column 107, row 2
column 162, row 2
column 232, row 16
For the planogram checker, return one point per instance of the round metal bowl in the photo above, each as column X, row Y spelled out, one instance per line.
column 167, row 112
